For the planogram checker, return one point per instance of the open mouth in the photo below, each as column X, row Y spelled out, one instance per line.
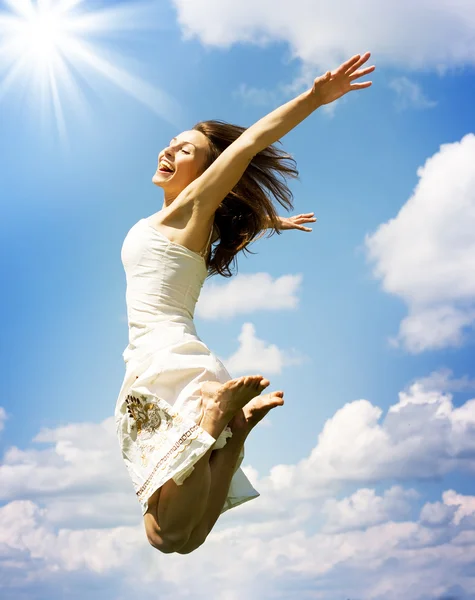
column 165, row 168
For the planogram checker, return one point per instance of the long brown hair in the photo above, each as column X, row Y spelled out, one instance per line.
column 247, row 210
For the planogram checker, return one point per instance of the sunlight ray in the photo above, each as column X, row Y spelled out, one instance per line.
column 43, row 40
column 58, row 109
column 120, row 18
column 14, row 73
column 158, row 101
column 71, row 89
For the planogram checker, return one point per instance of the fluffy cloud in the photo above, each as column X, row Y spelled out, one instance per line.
column 425, row 255
column 24, row 530
column 365, row 509
column 434, row 34
column 443, row 381
column 219, row 301
column 255, row 355
column 376, row 561
column 421, row 437
column 78, row 476
column 465, row 505
column 437, row 514
column 296, row 538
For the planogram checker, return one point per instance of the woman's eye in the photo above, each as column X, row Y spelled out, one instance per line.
column 185, row 151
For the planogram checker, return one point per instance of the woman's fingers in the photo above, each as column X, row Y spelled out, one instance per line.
column 334, row 85
column 350, row 69
column 307, row 217
column 349, row 63
column 360, row 86
column 357, row 64
column 361, row 72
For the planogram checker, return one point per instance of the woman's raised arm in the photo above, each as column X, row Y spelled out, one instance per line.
column 208, row 191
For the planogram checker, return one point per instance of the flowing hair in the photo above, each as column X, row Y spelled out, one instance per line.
column 247, row 210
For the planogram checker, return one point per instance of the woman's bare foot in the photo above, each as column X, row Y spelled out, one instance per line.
column 254, row 411
column 222, row 401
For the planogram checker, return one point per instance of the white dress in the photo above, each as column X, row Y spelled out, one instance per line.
column 159, row 404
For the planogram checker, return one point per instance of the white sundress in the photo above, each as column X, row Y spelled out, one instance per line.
column 159, row 403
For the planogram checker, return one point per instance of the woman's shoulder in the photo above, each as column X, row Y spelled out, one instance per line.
column 183, row 226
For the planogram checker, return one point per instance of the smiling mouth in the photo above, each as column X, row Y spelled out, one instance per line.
column 164, row 168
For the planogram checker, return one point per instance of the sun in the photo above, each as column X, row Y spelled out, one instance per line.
column 30, row 28
column 44, row 44
column 44, row 34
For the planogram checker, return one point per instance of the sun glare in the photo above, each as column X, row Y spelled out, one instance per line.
column 43, row 35
column 40, row 42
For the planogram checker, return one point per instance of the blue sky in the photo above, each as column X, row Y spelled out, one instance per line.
column 391, row 257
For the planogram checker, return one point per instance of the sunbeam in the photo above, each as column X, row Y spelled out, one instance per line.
column 42, row 41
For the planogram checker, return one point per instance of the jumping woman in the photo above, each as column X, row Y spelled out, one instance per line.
column 181, row 419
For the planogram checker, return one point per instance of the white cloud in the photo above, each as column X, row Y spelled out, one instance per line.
column 410, row 94
column 443, row 381
column 437, row 514
column 255, row 355
column 23, row 528
column 296, row 536
column 245, row 294
column 465, row 504
column 427, row 34
column 425, row 255
column 377, row 561
column 78, row 476
column 365, row 509
column 423, row 435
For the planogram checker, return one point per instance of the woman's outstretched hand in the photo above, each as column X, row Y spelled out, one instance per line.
column 296, row 222
column 335, row 84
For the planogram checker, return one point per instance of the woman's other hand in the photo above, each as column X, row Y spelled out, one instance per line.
column 296, row 222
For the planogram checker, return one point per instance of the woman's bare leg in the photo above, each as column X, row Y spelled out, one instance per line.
column 176, row 510
column 223, row 464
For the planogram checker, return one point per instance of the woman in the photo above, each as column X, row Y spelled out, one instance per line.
column 181, row 419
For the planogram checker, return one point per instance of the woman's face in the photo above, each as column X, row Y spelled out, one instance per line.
column 181, row 162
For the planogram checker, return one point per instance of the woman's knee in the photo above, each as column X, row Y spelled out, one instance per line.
column 166, row 542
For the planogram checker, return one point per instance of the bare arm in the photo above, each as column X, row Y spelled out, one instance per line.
column 208, row 191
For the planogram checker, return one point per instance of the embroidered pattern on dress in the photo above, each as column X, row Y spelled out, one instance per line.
column 147, row 416
column 185, row 438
